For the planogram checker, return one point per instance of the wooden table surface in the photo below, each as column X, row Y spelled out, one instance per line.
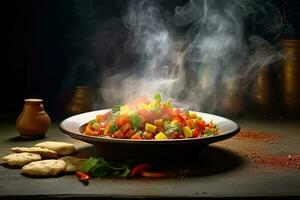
column 226, row 169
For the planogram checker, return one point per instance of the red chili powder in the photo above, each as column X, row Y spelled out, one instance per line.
column 255, row 135
column 283, row 161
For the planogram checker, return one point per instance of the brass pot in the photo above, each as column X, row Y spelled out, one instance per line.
column 33, row 121
column 289, row 76
column 81, row 101
column 262, row 90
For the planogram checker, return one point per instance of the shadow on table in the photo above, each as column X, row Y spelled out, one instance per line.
column 22, row 139
column 212, row 160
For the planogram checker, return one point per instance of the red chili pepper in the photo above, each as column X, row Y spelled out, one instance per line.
column 139, row 169
column 82, row 176
column 154, row 174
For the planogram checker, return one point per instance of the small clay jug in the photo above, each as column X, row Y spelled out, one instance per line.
column 33, row 121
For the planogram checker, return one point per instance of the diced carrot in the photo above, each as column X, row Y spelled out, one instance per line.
column 159, row 122
column 190, row 123
column 136, row 137
column 125, row 128
column 129, row 134
column 89, row 130
column 147, row 135
column 122, row 120
column 118, row 134
column 99, row 118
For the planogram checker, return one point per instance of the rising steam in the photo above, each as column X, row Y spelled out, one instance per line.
column 199, row 54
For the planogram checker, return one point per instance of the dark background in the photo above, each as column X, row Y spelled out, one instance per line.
column 45, row 48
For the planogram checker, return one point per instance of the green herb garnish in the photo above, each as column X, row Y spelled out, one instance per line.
column 157, row 97
column 92, row 121
column 113, row 128
column 135, row 121
column 116, row 109
column 98, row 168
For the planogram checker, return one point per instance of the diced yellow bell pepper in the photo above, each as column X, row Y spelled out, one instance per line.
column 125, row 110
column 151, row 128
column 145, row 106
column 192, row 115
column 154, row 105
column 160, row 136
column 187, row 132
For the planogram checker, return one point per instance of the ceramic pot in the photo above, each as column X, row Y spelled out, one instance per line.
column 33, row 121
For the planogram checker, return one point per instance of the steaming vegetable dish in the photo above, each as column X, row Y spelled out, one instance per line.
column 155, row 119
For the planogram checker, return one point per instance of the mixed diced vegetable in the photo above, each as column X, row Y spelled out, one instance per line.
column 154, row 119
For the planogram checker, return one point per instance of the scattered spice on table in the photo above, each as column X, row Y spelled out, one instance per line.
column 290, row 161
column 249, row 134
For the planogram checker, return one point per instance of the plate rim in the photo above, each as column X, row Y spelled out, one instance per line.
column 95, row 139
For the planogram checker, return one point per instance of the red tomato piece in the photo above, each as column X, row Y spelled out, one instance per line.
column 200, row 124
column 168, row 111
column 146, row 115
column 196, row 133
column 101, row 131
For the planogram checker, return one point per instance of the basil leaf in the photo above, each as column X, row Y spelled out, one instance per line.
column 125, row 173
column 100, row 170
column 89, row 164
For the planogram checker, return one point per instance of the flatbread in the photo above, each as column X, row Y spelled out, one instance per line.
column 62, row 148
column 45, row 153
column 21, row 159
column 73, row 163
column 44, row 168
